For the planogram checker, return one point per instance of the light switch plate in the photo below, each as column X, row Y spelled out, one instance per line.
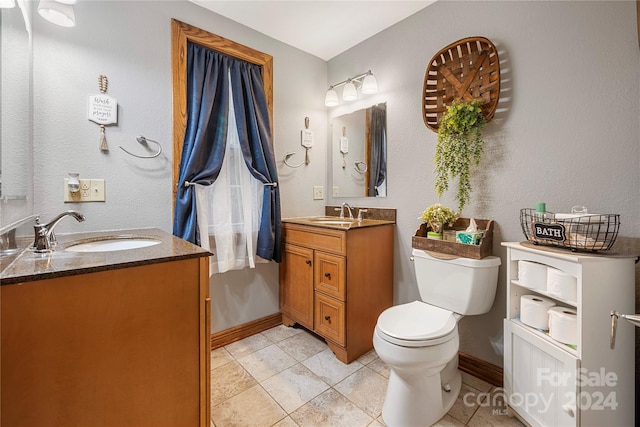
column 97, row 190
column 318, row 192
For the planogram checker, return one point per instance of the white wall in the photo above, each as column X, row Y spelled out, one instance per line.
column 567, row 131
column 130, row 42
column 15, row 116
column 346, row 179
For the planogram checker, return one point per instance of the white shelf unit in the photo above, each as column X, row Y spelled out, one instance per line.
column 548, row 383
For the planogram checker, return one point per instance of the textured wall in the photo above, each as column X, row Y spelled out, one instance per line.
column 567, row 130
column 566, row 133
column 130, row 42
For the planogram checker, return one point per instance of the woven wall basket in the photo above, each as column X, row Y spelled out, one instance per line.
column 467, row 69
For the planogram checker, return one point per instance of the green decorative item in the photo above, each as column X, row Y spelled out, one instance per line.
column 434, row 236
column 460, row 145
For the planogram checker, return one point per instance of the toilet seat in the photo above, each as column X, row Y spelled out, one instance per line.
column 416, row 324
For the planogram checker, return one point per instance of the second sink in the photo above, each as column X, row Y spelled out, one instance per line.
column 112, row 244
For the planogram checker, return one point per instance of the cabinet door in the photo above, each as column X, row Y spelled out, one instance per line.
column 330, row 274
column 330, row 319
column 540, row 379
column 296, row 284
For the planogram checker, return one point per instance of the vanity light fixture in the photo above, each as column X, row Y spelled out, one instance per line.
column 7, row 4
column 365, row 81
column 58, row 12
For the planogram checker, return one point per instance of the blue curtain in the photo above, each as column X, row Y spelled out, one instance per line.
column 206, row 135
column 378, row 159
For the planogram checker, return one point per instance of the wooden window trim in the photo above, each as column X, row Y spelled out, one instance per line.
column 182, row 33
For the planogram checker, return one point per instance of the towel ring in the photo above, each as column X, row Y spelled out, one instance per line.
column 358, row 165
column 286, row 157
column 142, row 140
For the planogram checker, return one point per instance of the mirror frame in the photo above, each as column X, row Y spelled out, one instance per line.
column 182, row 33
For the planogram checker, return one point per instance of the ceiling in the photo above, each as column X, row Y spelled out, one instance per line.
column 324, row 28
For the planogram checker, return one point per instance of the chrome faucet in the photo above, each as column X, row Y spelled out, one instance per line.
column 44, row 238
column 346, row 205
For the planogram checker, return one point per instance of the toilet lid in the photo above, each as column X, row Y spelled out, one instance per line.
column 416, row 321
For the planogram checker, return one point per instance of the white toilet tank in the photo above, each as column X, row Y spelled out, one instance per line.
column 463, row 285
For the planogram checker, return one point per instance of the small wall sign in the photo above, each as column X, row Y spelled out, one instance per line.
column 549, row 231
column 102, row 109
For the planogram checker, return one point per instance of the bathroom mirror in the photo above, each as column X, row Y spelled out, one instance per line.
column 15, row 113
column 359, row 153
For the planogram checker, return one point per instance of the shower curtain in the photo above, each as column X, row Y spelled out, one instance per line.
column 378, row 159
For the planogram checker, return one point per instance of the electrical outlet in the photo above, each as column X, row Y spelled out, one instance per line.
column 318, row 192
column 336, row 191
column 91, row 190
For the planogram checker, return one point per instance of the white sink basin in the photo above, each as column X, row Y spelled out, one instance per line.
column 112, row 244
column 332, row 221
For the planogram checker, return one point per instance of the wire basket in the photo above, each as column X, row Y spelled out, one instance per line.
column 589, row 232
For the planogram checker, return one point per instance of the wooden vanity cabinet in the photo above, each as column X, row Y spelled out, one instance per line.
column 336, row 283
column 122, row 347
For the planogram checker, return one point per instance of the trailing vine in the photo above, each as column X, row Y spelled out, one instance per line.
column 460, row 144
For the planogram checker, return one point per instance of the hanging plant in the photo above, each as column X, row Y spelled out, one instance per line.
column 460, row 145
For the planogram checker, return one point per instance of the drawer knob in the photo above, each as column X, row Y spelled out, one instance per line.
column 327, row 275
column 327, row 318
column 308, row 262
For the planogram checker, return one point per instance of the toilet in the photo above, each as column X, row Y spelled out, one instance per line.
column 419, row 340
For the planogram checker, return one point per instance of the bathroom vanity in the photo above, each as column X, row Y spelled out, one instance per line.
column 112, row 338
column 587, row 383
column 336, row 277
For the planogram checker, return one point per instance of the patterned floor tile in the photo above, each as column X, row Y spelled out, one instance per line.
column 266, row 362
column 302, row 346
column 294, row 387
column 330, row 409
column 329, row 368
column 252, row 407
column 366, row 389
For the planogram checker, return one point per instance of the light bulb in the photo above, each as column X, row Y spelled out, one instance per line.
column 57, row 13
column 349, row 92
column 7, row 4
column 331, row 98
column 369, row 84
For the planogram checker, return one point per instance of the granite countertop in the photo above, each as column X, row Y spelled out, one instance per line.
column 27, row 266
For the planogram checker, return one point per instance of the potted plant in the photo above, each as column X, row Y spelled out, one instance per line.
column 460, row 145
column 437, row 216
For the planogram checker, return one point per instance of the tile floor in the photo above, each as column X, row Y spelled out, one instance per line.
column 288, row 377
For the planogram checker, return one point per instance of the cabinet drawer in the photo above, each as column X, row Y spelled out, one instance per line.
column 330, row 318
column 323, row 239
column 330, row 275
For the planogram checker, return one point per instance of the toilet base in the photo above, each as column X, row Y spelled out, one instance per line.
column 421, row 401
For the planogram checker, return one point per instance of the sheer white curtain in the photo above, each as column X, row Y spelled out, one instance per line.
column 229, row 210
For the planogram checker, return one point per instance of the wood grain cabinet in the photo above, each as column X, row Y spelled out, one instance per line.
column 122, row 347
column 548, row 383
column 337, row 282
